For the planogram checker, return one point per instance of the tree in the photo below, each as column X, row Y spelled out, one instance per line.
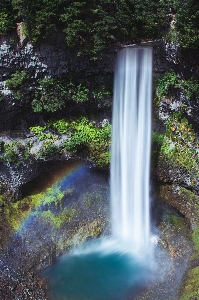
column 6, row 16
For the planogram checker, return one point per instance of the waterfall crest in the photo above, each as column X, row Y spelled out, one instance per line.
column 131, row 144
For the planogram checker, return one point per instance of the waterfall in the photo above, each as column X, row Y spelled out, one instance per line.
column 131, row 143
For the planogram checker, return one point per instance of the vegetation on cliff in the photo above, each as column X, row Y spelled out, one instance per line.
column 94, row 25
column 179, row 145
column 61, row 138
column 171, row 85
column 91, row 25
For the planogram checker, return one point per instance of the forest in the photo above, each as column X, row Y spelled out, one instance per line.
column 94, row 25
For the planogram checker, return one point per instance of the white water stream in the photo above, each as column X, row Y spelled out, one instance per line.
column 131, row 144
column 116, row 268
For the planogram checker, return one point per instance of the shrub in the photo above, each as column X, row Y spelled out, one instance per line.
column 17, row 80
column 95, row 142
column 180, row 143
column 15, row 152
column 191, row 88
column 49, row 96
column 167, row 83
column 170, row 82
column 62, row 126
column 38, row 129
column 6, row 16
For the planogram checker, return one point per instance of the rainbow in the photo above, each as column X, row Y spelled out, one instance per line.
column 63, row 178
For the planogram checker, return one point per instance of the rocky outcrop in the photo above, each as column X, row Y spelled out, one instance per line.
column 49, row 58
column 183, row 200
column 176, row 153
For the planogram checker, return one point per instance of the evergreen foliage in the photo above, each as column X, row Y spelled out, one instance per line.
column 171, row 83
column 52, row 94
column 17, row 80
column 187, row 23
column 6, row 16
column 90, row 25
column 93, row 25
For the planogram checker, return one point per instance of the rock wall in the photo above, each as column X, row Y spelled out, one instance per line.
column 49, row 58
column 52, row 58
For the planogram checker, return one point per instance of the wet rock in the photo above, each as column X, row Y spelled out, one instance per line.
column 184, row 201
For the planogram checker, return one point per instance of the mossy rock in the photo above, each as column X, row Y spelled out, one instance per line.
column 183, row 200
column 191, row 288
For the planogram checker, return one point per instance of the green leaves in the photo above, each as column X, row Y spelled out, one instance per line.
column 40, row 17
column 16, row 83
column 180, row 143
column 52, row 94
column 185, row 31
column 6, row 16
column 62, row 126
column 84, row 136
column 191, row 88
column 170, row 83
column 49, row 96
column 17, row 80
column 166, row 83
column 95, row 142
column 91, row 26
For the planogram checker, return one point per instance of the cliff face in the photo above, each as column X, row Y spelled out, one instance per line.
column 52, row 59
column 176, row 148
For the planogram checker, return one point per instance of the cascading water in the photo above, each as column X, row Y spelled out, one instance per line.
column 131, row 143
column 112, row 268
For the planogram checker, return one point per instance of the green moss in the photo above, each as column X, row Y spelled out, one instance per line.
column 54, row 195
column 191, row 289
column 176, row 221
column 83, row 136
column 90, row 230
column 58, row 220
column 193, row 199
column 90, row 198
column 17, row 212
column 15, row 152
column 180, row 143
column 195, row 238
column 1, row 204
column 191, row 285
